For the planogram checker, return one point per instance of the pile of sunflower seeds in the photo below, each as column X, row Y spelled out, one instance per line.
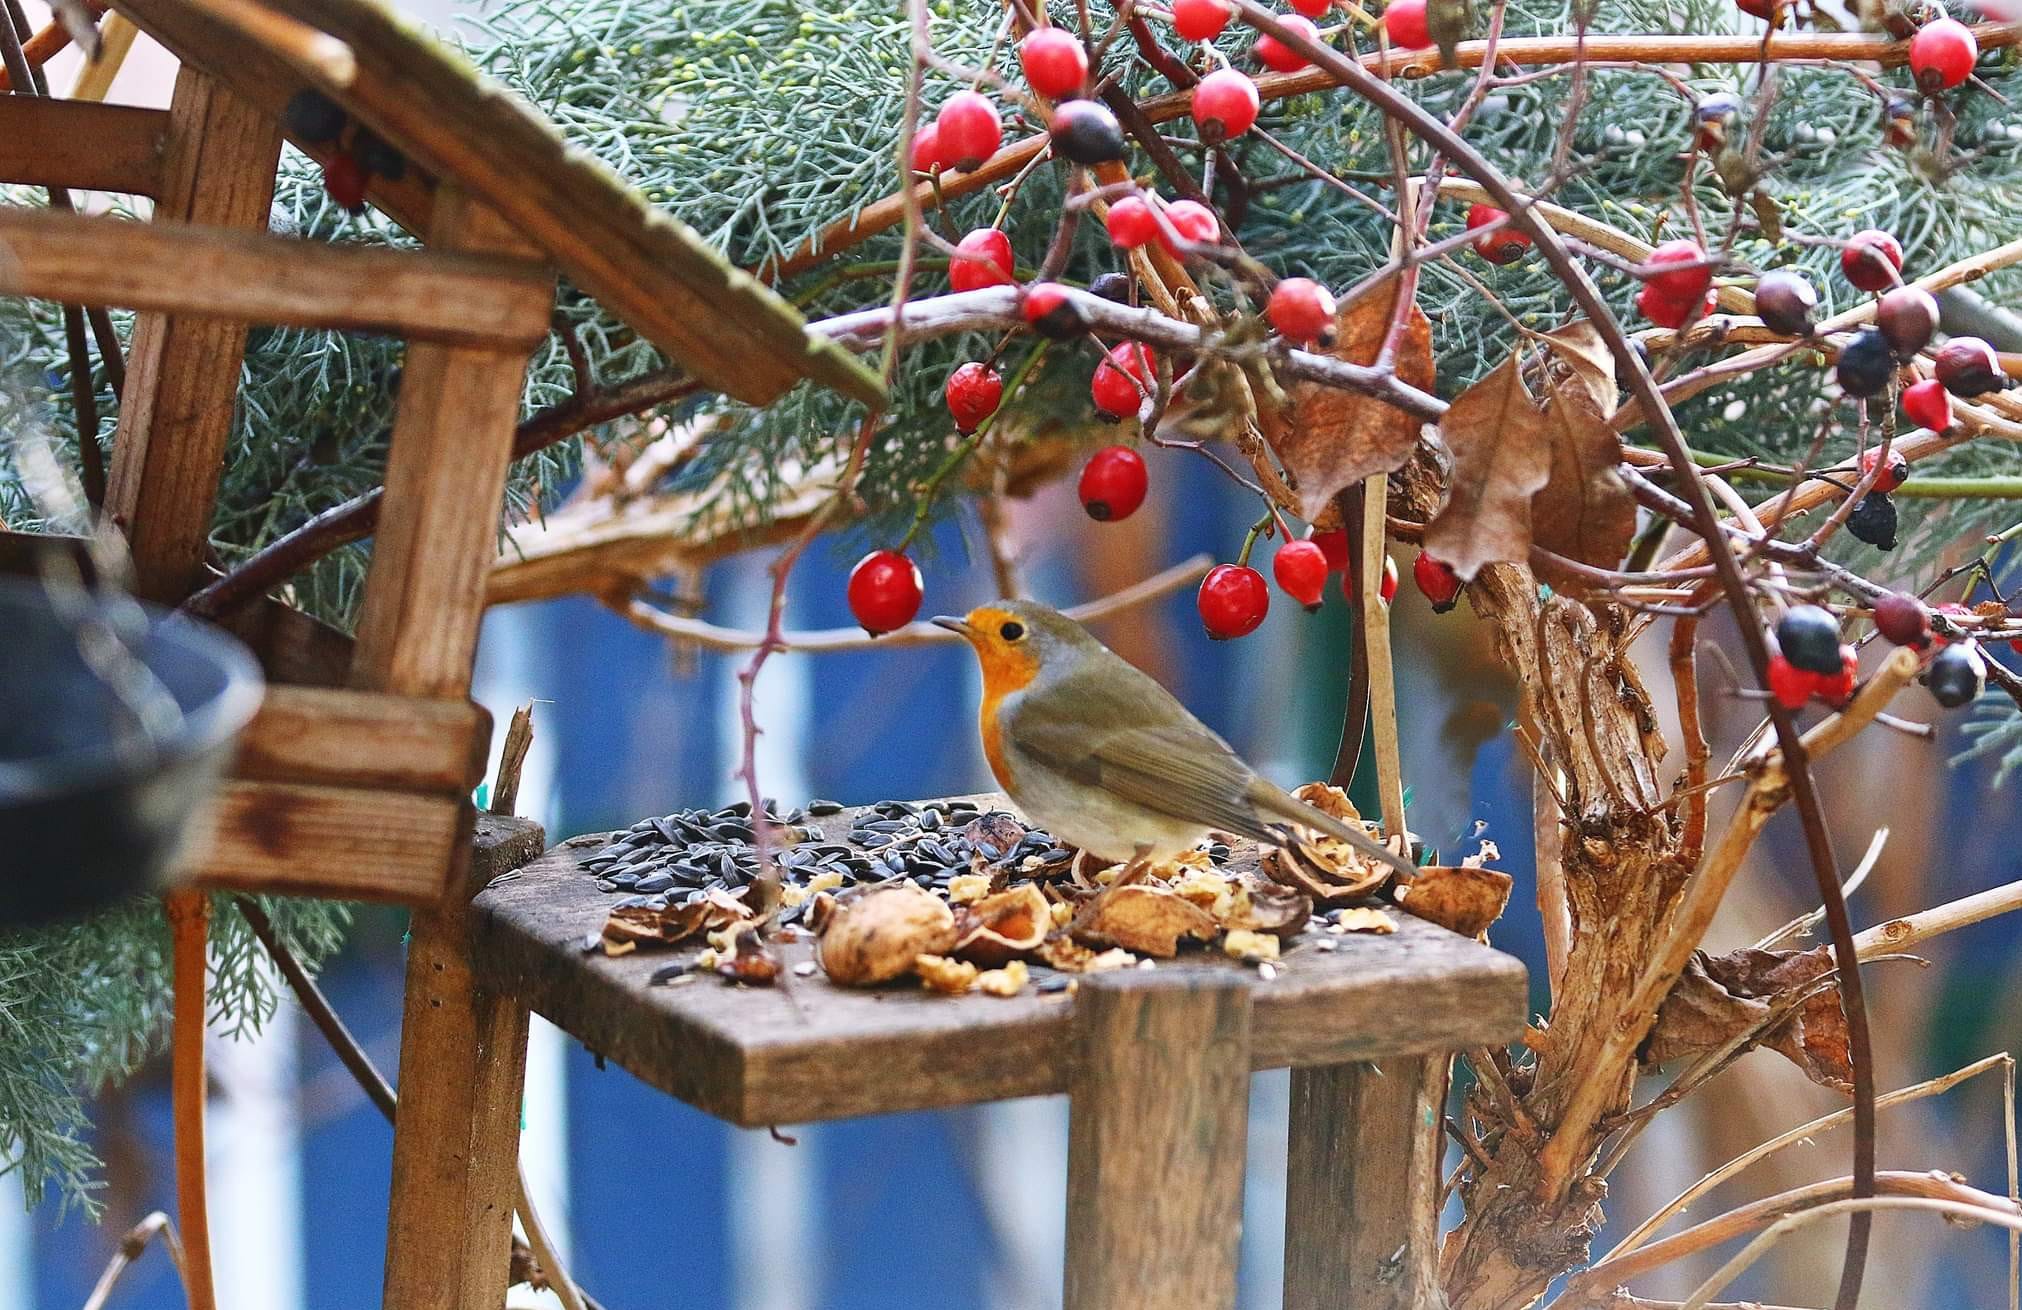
column 682, row 857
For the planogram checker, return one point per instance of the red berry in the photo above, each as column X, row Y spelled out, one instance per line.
column 1334, row 545
column 1790, row 685
column 927, row 149
column 1666, row 312
column 1275, row 54
column 1313, row 8
column 973, row 393
column 1908, row 318
column 1436, row 578
column 1051, row 312
column 1386, row 590
column 1837, row 689
column 1763, row 9
column 1112, row 484
column 1505, row 245
column 1233, row 601
column 344, row 179
column 1871, row 259
column 969, row 129
column 1193, row 221
column 1942, row 54
column 1681, row 285
column 1055, row 63
column 991, row 265
column 1889, row 478
column 884, row 591
column 1302, row 310
column 1123, row 379
column 1902, row 619
column 1201, row 20
column 1225, row 105
column 1301, row 570
column 1404, row 23
column 1131, row 222
column 1968, row 366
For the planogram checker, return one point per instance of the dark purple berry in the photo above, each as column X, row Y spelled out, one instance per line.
column 1874, row 520
column 1866, row 364
column 1808, row 636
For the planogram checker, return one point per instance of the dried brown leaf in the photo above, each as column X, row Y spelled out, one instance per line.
column 1585, row 511
column 1465, row 900
column 1587, row 360
column 1501, row 459
column 1332, row 439
column 1721, row 998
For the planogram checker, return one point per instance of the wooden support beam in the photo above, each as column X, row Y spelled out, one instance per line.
column 183, row 373
column 462, row 1047
column 82, row 144
column 253, row 277
column 1156, row 1139
column 1362, row 1185
column 347, row 843
column 365, row 739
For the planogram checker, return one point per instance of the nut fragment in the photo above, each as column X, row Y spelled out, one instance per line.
column 1264, row 906
column 1148, row 920
column 1329, row 800
column 1363, row 919
column 1007, row 981
column 1463, row 900
column 966, row 887
column 941, row 974
column 877, row 936
column 1249, row 947
column 1002, row 927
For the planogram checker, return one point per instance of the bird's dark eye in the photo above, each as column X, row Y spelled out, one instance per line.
column 1011, row 631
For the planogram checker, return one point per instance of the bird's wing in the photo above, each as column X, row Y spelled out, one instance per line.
column 1134, row 740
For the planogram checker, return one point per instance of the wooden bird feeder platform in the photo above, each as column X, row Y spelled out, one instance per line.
column 354, row 781
column 1157, row 1063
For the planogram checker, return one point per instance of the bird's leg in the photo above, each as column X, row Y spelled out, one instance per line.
column 1139, row 865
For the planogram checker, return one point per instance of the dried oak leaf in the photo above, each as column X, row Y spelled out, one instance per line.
column 876, row 937
column 1579, row 351
column 1333, row 439
column 1584, row 511
column 1721, row 998
column 1147, row 920
column 1465, row 900
column 1501, row 459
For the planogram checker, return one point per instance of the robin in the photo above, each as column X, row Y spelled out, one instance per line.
column 1101, row 756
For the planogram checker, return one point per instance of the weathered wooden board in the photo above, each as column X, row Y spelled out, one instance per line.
column 811, row 1051
column 82, row 144
column 252, row 277
column 365, row 739
column 351, row 843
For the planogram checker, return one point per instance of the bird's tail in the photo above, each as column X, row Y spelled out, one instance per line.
column 1282, row 804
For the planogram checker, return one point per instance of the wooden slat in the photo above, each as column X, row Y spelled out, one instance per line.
column 445, row 486
column 1362, row 1184
column 82, row 144
column 249, row 277
column 183, row 373
column 365, row 739
column 758, row 1056
column 351, row 843
column 653, row 272
column 1156, row 1139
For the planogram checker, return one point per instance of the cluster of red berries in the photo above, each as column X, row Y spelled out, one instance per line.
column 965, row 132
column 1810, row 660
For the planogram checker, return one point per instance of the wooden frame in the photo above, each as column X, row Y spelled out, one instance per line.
column 39, row 145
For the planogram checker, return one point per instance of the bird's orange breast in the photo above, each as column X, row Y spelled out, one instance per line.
column 1005, row 670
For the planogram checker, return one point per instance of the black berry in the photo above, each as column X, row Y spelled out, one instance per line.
column 379, row 157
column 1874, row 520
column 1866, row 363
column 313, row 116
column 1087, row 133
column 1809, row 637
column 1112, row 286
column 1956, row 675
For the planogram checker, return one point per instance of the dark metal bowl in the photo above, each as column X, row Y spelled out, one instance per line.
column 92, row 806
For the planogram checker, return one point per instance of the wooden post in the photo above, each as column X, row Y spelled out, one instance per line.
column 1362, row 1185
column 1156, row 1139
column 183, row 373
column 462, row 1048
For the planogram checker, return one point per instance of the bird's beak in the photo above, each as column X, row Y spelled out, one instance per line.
column 958, row 626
